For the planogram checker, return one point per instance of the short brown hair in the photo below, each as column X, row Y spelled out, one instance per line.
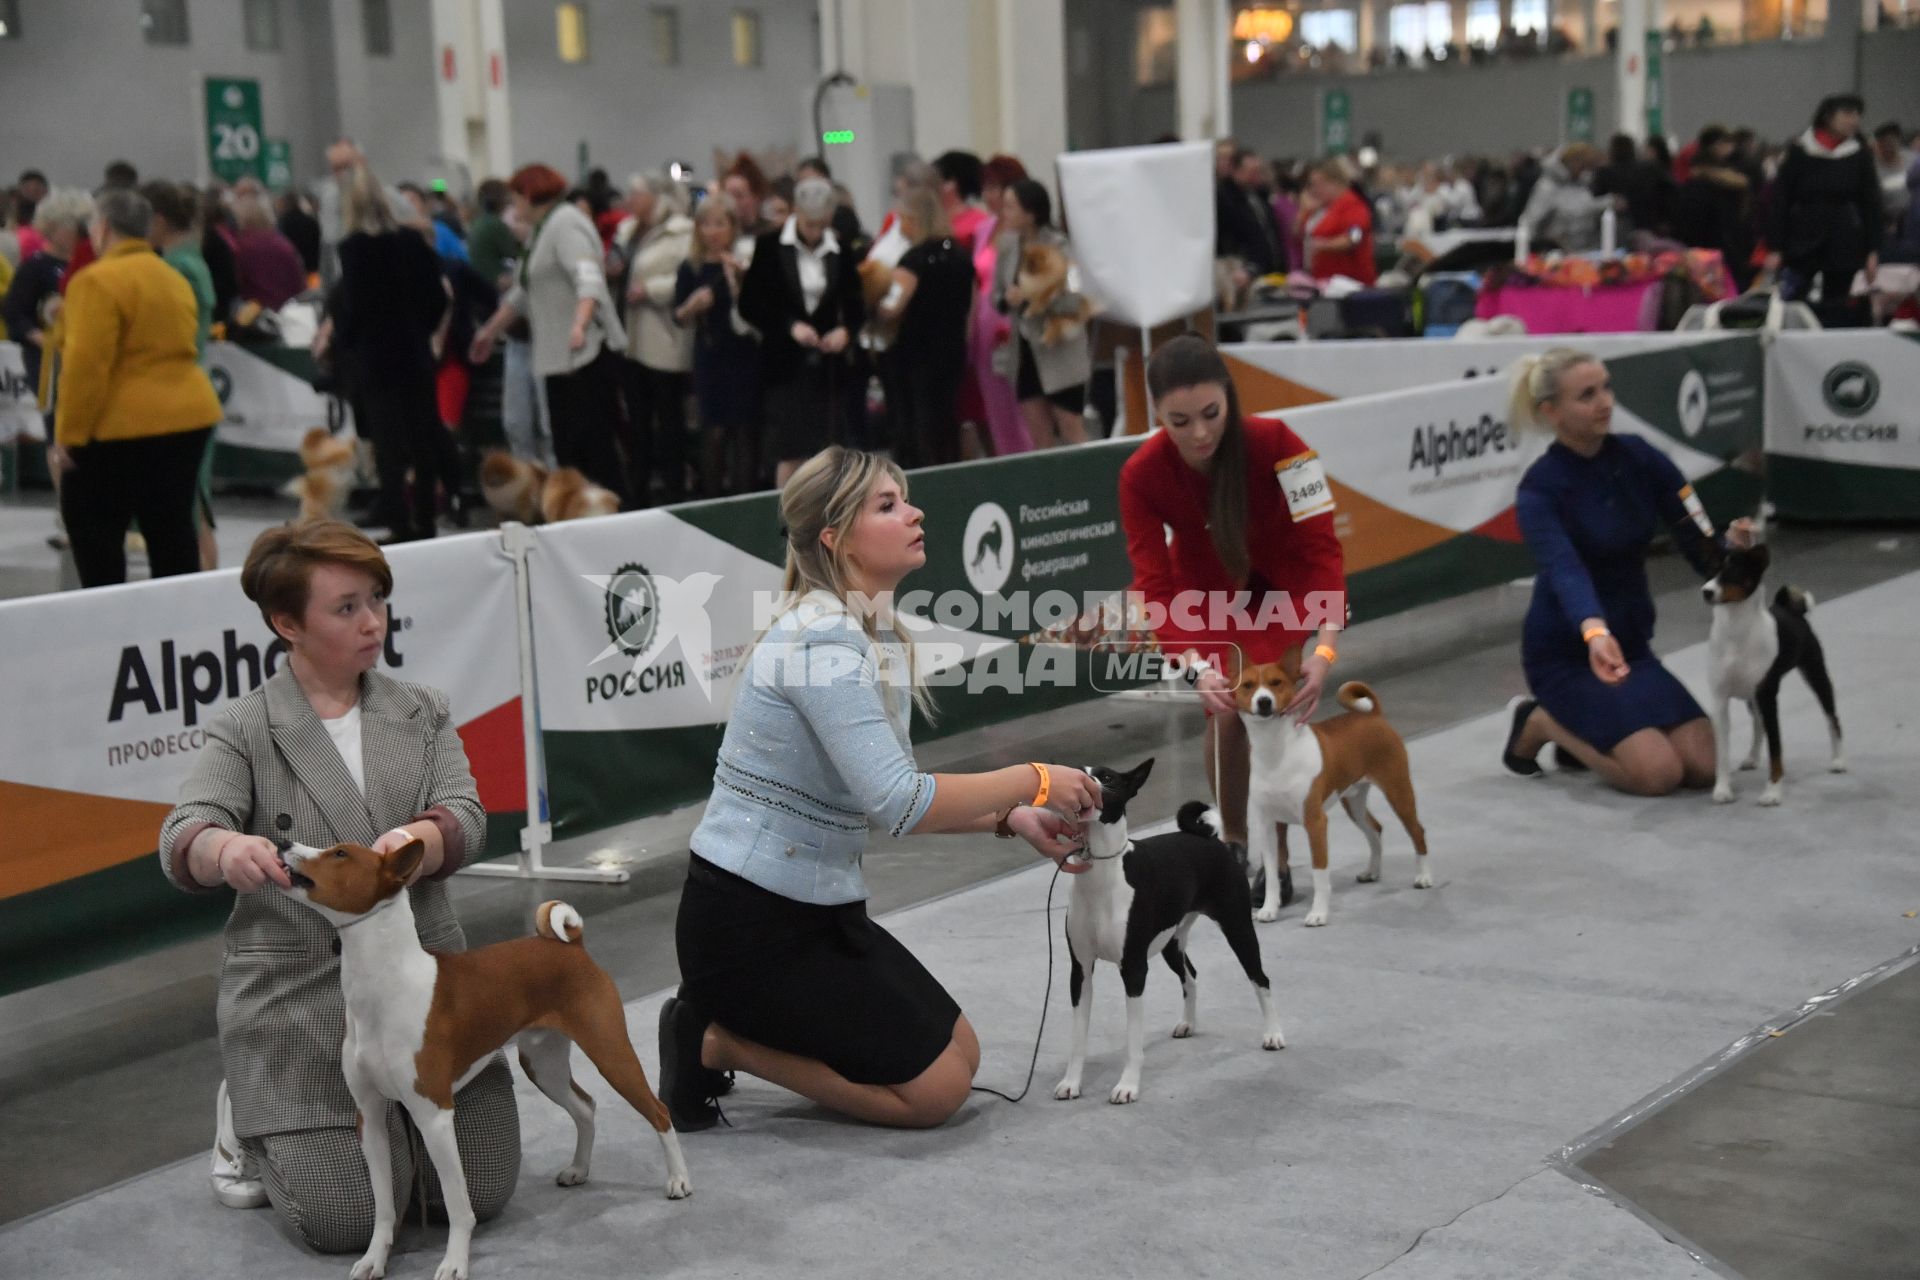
column 278, row 573
column 177, row 203
column 539, row 183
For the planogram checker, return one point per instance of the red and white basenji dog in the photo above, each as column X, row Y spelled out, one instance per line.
column 421, row 1024
column 1298, row 771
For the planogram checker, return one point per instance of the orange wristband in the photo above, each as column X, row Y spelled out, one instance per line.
column 1325, row 651
column 1046, row 785
column 1586, row 637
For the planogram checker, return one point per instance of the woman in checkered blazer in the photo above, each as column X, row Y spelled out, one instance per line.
column 328, row 749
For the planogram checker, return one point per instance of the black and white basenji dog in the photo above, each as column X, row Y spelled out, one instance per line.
column 1750, row 649
column 1139, row 898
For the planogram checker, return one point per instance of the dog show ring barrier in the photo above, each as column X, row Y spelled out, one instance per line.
column 109, row 693
column 266, row 393
column 1843, row 425
column 629, row 632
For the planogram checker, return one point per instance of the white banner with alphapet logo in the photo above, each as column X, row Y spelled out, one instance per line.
column 1308, row 372
column 20, row 417
column 108, row 694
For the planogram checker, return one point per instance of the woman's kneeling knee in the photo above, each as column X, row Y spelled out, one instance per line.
column 933, row 1097
column 1655, row 778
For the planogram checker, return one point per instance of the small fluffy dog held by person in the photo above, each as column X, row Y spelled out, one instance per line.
column 1751, row 647
column 1042, row 280
column 1138, row 898
column 331, row 463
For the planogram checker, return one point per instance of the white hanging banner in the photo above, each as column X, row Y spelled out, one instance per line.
column 1141, row 220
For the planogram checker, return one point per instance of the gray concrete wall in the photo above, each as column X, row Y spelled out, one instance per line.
column 1890, row 76
column 1428, row 112
column 636, row 115
column 386, row 104
column 81, row 87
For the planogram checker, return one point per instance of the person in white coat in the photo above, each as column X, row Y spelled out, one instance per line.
column 654, row 241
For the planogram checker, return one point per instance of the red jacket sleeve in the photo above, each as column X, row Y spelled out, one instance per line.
column 1146, row 530
column 1306, row 553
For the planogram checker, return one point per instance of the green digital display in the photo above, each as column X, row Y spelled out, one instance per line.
column 837, row 137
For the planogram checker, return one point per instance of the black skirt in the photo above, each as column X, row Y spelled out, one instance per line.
column 825, row 983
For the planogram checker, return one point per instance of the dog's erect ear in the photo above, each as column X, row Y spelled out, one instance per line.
column 1290, row 663
column 1716, row 559
column 1761, row 556
column 1137, row 777
column 404, row 861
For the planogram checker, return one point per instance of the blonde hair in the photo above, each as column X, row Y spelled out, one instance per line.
column 927, row 211
column 1536, row 380
column 63, row 206
column 828, row 492
column 251, row 212
column 669, row 193
column 709, row 209
column 364, row 206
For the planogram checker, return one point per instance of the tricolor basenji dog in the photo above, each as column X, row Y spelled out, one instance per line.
column 1297, row 772
column 421, row 1024
column 1136, row 899
column 1750, row 650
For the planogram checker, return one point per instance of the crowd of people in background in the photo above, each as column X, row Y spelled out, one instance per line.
column 671, row 340
column 668, row 341
column 1808, row 214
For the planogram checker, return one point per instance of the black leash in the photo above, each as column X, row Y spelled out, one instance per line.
column 1046, row 1000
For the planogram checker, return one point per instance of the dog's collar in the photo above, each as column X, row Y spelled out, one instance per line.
column 385, row 906
column 1084, row 856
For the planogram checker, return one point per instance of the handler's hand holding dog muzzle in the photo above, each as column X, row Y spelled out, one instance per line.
column 1064, row 800
column 247, row 863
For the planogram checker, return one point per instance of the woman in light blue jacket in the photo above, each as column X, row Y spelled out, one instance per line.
column 784, row 976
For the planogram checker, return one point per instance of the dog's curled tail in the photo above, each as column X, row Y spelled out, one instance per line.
column 1355, row 696
column 1795, row 600
column 1198, row 818
column 558, row 921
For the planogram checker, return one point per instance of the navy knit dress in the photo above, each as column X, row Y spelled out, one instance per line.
column 1588, row 522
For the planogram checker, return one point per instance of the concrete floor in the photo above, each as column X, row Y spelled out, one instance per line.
column 1797, row 1162
column 101, row 1064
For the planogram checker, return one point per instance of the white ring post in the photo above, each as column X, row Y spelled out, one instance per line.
column 517, row 540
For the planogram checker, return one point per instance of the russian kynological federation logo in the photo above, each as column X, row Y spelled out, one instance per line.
column 1693, row 403
column 644, row 613
column 988, row 548
column 632, row 609
column 1850, row 389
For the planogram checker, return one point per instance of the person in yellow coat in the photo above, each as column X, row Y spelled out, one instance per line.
column 134, row 409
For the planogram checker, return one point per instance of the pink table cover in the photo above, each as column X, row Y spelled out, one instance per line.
column 1547, row 309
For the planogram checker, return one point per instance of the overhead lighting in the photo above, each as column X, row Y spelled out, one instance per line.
column 1254, row 50
column 1269, row 26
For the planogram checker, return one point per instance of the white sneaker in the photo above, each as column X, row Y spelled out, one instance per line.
column 236, row 1180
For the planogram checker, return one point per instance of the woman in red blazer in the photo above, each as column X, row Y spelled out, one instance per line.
column 1215, row 505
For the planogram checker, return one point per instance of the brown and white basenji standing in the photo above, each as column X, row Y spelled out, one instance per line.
column 421, row 1024
column 1298, row 771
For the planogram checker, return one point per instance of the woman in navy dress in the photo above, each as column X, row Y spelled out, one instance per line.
column 726, row 354
column 1588, row 509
